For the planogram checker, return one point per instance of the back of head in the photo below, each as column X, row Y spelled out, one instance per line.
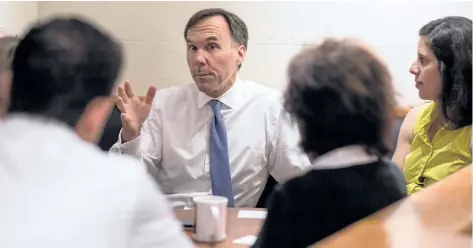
column 450, row 39
column 341, row 94
column 60, row 66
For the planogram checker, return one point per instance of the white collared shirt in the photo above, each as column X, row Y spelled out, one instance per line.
column 57, row 191
column 174, row 141
column 344, row 157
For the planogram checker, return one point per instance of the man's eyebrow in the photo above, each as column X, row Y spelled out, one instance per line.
column 210, row 38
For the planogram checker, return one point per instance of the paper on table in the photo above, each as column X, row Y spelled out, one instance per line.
column 246, row 240
column 252, row 214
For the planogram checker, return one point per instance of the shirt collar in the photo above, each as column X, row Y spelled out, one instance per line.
column 229, row 98
column 344, row 157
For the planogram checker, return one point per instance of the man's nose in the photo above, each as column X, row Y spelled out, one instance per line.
column 200, row 57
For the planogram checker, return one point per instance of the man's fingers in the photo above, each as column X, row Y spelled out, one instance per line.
column 122, row 94
column 128, row 90
column 150, row 94
column 121, row 105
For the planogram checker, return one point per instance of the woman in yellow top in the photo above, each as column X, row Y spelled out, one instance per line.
column 435, row 139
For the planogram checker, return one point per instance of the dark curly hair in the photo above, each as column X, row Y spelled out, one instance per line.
column 340, row 94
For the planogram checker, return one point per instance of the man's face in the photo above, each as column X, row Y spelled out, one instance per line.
column 212, row 56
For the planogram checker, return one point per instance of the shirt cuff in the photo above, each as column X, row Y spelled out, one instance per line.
column 131, row 147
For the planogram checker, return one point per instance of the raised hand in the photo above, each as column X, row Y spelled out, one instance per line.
column 134, row 111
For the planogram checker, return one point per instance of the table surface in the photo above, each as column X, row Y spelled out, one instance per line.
column 439, row 216
column 236, row 227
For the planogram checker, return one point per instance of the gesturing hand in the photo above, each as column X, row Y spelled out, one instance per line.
column 133, row 110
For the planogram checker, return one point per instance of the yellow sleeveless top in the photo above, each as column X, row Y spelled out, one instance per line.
column 431, row 161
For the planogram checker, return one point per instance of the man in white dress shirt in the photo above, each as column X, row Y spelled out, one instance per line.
column 220, row 135
column 57, row 189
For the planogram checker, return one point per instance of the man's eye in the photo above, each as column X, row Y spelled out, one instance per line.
column 212, row 46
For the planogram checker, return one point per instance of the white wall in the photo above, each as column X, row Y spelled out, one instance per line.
column 15, row 17
column 155, row 51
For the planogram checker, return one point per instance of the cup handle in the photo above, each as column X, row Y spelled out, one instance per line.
column 194, row 208
column 215, row 214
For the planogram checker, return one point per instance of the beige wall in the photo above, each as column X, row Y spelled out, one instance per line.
column 15, row 17
column 151, row 33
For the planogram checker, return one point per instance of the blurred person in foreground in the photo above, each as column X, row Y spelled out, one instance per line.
column 56, row 186
column 341, row 96
column 435, row 139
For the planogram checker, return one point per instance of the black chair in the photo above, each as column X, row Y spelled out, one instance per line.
column 268, row 189
column 395, row 133
column 111, row 130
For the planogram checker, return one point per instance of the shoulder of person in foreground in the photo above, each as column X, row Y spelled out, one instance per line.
column 153, row 223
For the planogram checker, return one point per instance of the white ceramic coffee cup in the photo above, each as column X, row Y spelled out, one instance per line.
column 210, row 218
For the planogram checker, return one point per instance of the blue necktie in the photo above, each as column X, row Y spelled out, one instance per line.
column 219, row 162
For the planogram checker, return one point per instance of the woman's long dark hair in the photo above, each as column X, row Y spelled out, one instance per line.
column 450, row 40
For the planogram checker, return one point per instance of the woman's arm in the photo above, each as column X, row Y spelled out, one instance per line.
column 404, row 140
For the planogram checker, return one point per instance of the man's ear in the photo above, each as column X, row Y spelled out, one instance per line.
column 92, row 121
column 241, row 54
column 5, row 87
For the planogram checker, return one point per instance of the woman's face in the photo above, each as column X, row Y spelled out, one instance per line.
column 426, row 71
